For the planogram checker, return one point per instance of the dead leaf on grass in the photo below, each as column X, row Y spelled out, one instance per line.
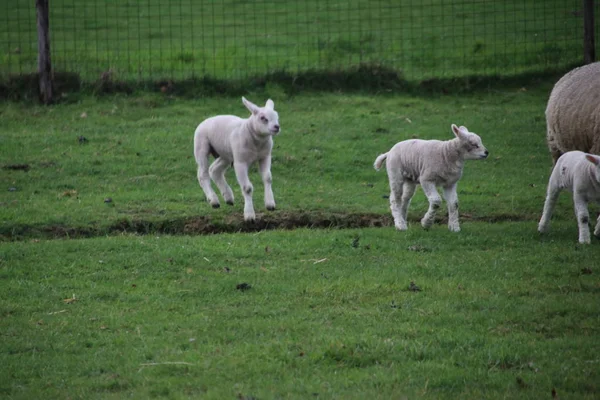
column 413, row 287
column 71, row 300
column 418, row 248
column 70, row 193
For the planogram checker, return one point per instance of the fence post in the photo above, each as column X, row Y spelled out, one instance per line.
column 44, row 64
column 589, row 46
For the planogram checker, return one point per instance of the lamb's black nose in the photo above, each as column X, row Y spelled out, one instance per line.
column 276, row 128
column 486, row 153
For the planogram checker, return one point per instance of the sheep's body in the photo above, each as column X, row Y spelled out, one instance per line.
column 573, row 112
column 239, row 142
column 578, row 173
column 429, row 163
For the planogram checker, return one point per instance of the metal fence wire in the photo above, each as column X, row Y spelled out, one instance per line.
column 138, row 40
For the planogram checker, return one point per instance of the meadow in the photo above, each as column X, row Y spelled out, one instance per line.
column 110, row 289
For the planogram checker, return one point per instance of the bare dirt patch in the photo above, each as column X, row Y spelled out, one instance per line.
column 205, row 225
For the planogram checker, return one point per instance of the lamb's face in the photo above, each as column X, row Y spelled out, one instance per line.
column 471, row 143
column 265, row 120
column 268, row 122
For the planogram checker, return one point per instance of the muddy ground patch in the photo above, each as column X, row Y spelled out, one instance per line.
column 205, row 225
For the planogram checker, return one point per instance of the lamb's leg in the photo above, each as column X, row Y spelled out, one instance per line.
column 597, row 229
column 241, row 172
column 264, row 167
column 217, row 174
column 583, row 218
column 204, row 180
column 408, row 191
column 396, row 186
column 434, row 203
column 452, row 201
column 549, row 204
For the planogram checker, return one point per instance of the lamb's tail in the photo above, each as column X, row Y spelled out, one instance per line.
column 379, row 161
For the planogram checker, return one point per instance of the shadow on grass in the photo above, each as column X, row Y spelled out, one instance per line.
column 367, row 78
column 234, row 223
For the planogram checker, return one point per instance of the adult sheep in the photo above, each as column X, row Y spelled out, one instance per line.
column 573, row 112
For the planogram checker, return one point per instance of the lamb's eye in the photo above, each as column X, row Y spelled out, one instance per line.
column 263, row 118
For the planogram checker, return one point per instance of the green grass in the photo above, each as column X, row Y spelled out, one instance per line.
column 502, row 313
column 231, row 39
column 139, row 154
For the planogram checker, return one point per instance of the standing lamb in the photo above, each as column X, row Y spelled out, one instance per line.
column 573, row 112
column 241, row 142
column 430, row 163
column 578, row 173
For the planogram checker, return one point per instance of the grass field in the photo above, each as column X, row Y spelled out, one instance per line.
column 232, row 39
column 138, row 152
column 92, row 308
column 500, row 314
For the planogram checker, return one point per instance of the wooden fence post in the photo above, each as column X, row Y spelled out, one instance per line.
column 589, row 45
column 44, row 64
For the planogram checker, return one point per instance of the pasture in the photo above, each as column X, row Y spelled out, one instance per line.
column 108, row 289
column 230, row 39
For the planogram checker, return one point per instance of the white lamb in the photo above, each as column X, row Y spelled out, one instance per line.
column 578, row 173
column 430, row 163
column 241, row 142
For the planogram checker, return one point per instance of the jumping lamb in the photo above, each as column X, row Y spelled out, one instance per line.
column 573, row 112
column 239, row 142
column 578, row 173
column 430, row 163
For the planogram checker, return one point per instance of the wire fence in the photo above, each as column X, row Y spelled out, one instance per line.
column 139, row 40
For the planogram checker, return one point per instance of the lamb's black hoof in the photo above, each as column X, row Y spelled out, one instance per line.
column 229, row 202
column 271, row 208
column 215, row 205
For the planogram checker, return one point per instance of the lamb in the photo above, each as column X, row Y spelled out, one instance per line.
column 430, row 163
column 241, row 142
column 578, row 173
column 573, row 112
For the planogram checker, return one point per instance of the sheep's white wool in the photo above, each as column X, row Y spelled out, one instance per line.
column 430, row 163
column 578, row 173
column 573, row 112
column 239, row 142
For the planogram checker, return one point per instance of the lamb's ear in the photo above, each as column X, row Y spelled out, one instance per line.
column 463, row 129
column 250, row 106
column 457, row 131
column 270, row 104
column 593, row 159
